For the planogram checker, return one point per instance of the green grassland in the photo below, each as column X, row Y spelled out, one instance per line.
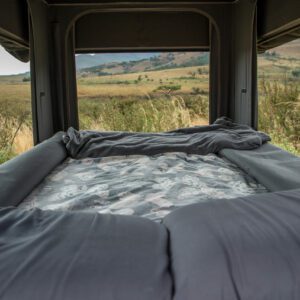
column 279, row 96
column 145, row 101
column 157, row 100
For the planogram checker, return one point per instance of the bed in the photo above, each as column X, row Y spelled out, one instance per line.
column 151, row 175
column 147, row 174
column 210, row 212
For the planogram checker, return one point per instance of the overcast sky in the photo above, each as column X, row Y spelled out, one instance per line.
column 10, row 65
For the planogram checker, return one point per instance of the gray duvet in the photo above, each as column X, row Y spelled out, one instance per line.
column 147, row 186
column 195, row 140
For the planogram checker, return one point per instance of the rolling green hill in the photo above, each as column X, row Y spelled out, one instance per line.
column 92, row 60
column 164, row 61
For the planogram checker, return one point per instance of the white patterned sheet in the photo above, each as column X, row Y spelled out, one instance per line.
column 146, row 186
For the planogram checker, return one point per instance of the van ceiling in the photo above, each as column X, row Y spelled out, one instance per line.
column 14, row 28
column 278, row 22
column 152, row 1
column 142, row 31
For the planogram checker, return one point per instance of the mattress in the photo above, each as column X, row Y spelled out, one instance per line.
column 146, row 186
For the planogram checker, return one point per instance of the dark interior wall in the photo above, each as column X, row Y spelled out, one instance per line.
column 41, row 62
column 14, row 35
column 244, row 57
column 14, row 19
column 278, row 22
column 73, row 2
column 54, row 95
column 142, row 30
column 221, row 63
column 275, row 14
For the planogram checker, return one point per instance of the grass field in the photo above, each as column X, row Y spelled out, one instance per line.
column 15, row 119
column 157, row 101
column 147, row 101
column 279, row 95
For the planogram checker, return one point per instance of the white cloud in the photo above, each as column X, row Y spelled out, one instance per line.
column 10, row 65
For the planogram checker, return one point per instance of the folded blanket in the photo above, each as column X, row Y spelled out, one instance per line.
column 195, row 140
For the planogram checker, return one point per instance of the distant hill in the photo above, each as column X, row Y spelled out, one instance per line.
column 166, row 60
column 291, row 49
column 109, row 64
column 120, row 63
column 15, row 78
column 91, row 60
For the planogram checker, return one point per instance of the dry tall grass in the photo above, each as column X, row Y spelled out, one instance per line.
column 23, row 140
column 279, row 113
column 15, row 119
column 165, row 113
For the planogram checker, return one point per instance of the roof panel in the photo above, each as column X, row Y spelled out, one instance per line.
column 72, row 2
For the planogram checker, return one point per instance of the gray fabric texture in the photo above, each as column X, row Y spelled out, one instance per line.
column 47, row 255
column 246, row 248
column 146, row 186
column 276, row 169
column 20, row 175
column 196, row 140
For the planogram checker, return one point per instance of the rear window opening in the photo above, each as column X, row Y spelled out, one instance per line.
column 279, row 95
column 146, row 92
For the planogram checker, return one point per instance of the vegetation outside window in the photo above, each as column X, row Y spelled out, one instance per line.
column 147, row 92
column 15, row 107
column 279, row 95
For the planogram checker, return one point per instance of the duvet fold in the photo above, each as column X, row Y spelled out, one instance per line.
column 223, row 133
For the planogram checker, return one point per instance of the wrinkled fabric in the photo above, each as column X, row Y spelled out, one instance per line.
column 47, row 255
column 196, row 140
column 243, row 249
column 20, row 175
column 276, row 169
column 146, row 186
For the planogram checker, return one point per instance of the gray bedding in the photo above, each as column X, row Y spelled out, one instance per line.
column 196, row 140
column 247, row 248
column 244, row 249
column 147, row 186
column 148, row 174
column 20, row 175
column 276, row 169
column 55, row 255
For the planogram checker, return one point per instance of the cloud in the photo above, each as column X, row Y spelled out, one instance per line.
column 10, row 65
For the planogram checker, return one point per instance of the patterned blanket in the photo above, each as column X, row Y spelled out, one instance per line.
column 147, row 186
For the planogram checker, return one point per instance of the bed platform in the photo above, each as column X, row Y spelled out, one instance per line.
column 78, row 212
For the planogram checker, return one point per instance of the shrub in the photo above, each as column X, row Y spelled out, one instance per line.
column 196, row 91
column 26, row 79
column 296, row 73
column 198, row 106
column 168, row 88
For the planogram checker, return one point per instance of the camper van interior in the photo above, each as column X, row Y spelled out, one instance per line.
column 149, row 150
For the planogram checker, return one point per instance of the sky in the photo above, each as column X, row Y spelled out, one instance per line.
column 10, row 65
